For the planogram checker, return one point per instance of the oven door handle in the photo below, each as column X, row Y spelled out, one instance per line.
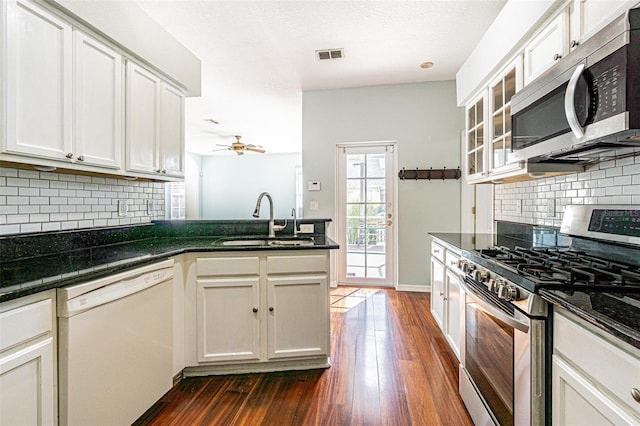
column 486, row 305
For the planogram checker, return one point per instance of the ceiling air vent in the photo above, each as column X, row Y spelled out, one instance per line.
column 330, row 54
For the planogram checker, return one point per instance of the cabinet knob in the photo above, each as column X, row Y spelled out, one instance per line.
column 81, row 158
column 436, row 250
column 69, row 155
column 255, row 310
column 574, row 43
column 163, row 171
column 441, row 294
column 270, row 308
column 557, row 56
column 158, row 170
column 635, row 394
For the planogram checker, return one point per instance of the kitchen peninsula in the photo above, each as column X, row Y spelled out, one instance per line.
column 147, row 304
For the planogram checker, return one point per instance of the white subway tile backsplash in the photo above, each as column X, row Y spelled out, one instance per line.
column 611, row 182
column 32, row 201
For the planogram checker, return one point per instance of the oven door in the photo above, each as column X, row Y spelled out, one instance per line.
column 503, row 361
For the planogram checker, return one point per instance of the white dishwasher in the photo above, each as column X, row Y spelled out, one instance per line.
column 115, row 345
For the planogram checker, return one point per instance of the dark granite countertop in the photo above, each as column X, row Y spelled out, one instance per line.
column 616, row 314
column 34, row 269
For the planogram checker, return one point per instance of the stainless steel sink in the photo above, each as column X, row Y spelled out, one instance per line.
column 252, row 242
column 243, row 243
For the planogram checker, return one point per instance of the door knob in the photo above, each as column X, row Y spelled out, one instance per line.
column 389, row 223
column 389, row 215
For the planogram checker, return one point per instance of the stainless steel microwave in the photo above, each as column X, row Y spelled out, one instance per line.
column 587, row 107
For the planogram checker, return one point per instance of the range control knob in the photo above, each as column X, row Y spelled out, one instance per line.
column 508, row 292
column 480, row 275
column 468, row 268
column 494, row 284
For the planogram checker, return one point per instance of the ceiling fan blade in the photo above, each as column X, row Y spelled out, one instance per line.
column 220, row 149
column 255, row 149
column 228, row 146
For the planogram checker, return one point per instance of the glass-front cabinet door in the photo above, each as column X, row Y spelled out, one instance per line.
column 475, row 139
column 501, row 92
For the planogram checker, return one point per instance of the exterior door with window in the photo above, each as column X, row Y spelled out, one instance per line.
column 366, row 214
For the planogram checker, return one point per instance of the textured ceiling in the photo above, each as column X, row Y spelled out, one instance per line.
column 258, row 56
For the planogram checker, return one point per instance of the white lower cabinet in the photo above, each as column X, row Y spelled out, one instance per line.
column 447, row 303
column 228, row 308
column 257, row 312
column 297, row 318
column 28, row 361
column 594, row 377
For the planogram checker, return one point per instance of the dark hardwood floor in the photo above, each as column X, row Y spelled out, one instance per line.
column 390, row 366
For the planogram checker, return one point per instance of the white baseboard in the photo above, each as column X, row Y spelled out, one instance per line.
column 420, row 288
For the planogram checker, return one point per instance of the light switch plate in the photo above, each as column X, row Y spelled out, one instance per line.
column 314, row 205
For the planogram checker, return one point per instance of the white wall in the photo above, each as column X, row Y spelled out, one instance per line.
column 610, row 182
column 231, row 185
column 424, row 119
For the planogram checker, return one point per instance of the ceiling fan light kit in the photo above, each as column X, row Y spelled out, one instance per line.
column 239, row 147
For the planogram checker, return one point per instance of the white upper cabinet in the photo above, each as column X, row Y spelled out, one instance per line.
column 143, row 119
column 155, row 124
column 172, row 131
column 547, row 47
column 64, row 104
column 98, row 103
column 501, row 91
column 476, row 167
column 38, row 104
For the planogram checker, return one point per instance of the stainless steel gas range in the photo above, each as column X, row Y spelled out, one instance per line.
column 505, row 376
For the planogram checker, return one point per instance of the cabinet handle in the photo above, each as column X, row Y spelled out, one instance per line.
column 635, row 394
column 441, row 294
column 270, row 308
column 557, row 56
column 255, row 310
column 436, row 250
column 158, row 171
column 163, row 171
column 81, row 158
column 69, row 155
column 574, row 43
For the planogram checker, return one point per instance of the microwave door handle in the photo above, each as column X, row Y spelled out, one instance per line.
column 569, row 103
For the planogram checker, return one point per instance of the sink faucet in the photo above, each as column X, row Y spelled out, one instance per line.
column 295, row 224
column 272, row 226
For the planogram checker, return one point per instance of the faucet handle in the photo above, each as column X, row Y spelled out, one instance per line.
column 277, row 228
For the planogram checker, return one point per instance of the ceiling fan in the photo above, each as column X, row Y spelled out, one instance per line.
column 240, row 147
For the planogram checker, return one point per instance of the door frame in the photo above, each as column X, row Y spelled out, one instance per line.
column 392, row 271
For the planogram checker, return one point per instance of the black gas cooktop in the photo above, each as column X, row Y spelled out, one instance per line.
column 560, row 268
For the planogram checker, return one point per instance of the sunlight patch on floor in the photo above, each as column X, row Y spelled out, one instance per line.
column 344, row 298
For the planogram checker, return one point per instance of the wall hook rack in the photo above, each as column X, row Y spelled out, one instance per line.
column 431, row 173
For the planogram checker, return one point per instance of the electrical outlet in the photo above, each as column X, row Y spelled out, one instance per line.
column 550, row 207
column 123, row 208
column 306, row 228
column 151, row 208
column 518, row 206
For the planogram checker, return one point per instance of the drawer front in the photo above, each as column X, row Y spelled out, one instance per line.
column 296, row 264
column 437, row 251
column 608, row 366
column 452, row 259
column 228, row 266
column 26, row 322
